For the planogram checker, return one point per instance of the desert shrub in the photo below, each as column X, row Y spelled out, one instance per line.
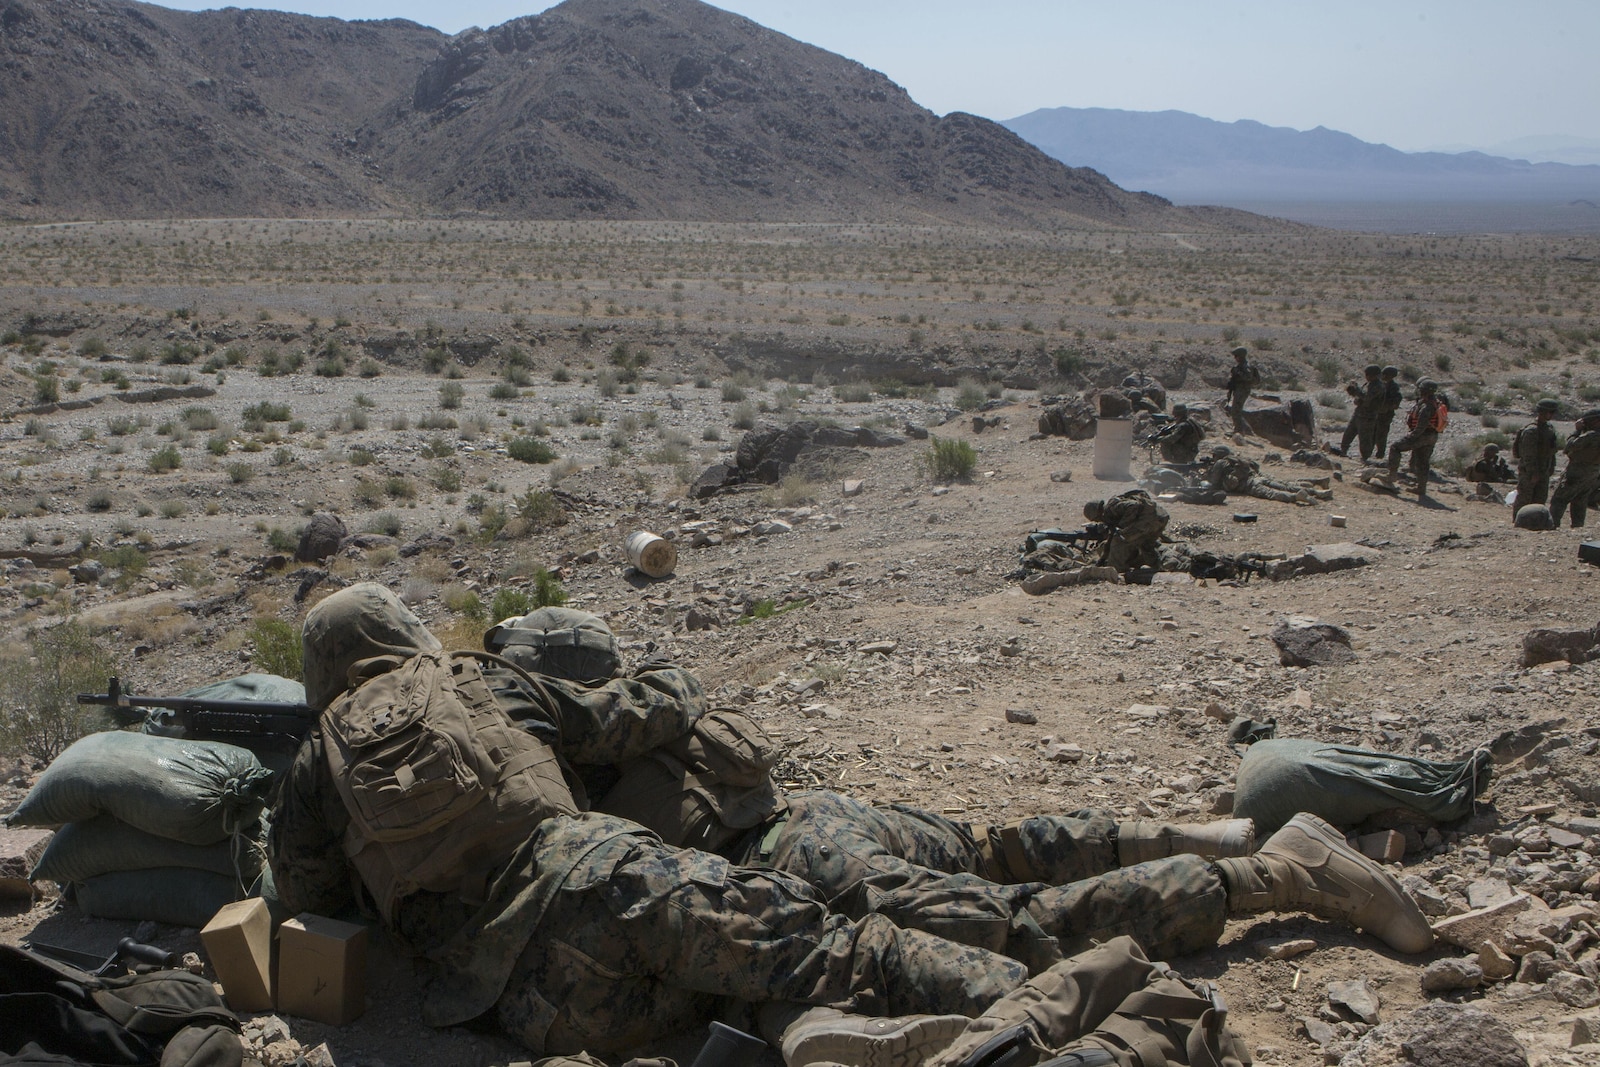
column 179, row 353
column 369, row 368
column 950, row 460
column 445, row 479
column 1328, row 370
column 547, row 589
column 463, row 601
column 92, row 347
column 281, row 540
column 266, row 411
column 435, row 421
column 46, row 389
column 40, row 690
column 450, row 395
column 276, row 647
column 165, row 458
column 399, row 488
column 852, row 392
column 174, row 509
column 530, row 450
column 969, row 395
column 240, row 472
column 200, row 419
column 540, row 509
column 127, row 561
column 386, row 523
column 744, row 416
column 732, row 392
column 504, row 391
column 509, row 603
column 99, row 500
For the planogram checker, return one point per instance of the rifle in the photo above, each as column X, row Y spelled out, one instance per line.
column 241, row 722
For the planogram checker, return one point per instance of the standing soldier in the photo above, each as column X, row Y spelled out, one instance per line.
column 1582, row 476
column 1534, row 449
column 1363, row 424
column 1423, row 425
column 1392, row 399
column 1241, row 380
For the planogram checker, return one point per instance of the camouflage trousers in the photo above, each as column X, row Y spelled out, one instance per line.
column 642, row 940
column 1134, row 545
column 1532, row 488
column 1420, row 444
column 1380, row 443
column 1362, row 429
column 1263, row 488
column 1578, row 484
column 1034, row 890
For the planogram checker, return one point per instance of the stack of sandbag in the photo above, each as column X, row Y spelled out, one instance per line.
column 148, row 827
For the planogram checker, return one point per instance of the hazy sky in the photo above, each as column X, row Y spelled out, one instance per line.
column 1408, row 73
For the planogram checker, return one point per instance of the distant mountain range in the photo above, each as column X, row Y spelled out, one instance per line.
column 1195, row 160
column 606, row 109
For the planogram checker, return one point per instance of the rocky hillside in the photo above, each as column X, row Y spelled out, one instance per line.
column 663, row 109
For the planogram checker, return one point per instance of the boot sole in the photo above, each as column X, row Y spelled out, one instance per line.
column 908, row 1046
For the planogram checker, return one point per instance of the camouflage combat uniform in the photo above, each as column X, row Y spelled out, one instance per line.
column 1581, row 478
column 1534, row 449
column 1236, row 475
column 595, row 936
column 1365, row 420
column 1180, row 442
column 1136, row 523
column 1241, row 380
column 1392, row 399
column 1421, row 437
column 1033, row 890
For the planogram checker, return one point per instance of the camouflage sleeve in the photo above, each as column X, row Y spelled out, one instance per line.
column 304, row 849
column 625, row 717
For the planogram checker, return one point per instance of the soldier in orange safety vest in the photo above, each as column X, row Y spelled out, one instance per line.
column 1424, row 423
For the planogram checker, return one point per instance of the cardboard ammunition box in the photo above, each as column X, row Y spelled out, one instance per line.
column 238, row 940
column 1589, row 552
column 322, row 969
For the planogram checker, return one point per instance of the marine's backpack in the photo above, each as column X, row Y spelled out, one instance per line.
column 53, row 1014
column 704, row 788
column 559, row 642
column 440, row 784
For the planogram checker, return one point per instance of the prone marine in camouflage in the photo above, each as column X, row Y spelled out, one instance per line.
column 1238, row 476
column 593, row 935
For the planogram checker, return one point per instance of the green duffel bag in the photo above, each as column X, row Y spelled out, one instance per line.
column 1347, row 785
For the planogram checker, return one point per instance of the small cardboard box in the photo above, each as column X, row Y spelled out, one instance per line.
column 322, row 969
column 238, row 939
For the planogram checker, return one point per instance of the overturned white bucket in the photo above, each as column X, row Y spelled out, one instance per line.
column 651, row 554
column 1113, row 449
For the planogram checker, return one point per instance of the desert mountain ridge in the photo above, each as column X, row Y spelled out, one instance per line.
column 608, row 109
column 1191, row 159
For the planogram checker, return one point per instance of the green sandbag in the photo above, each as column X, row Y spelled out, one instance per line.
column 181, row 896
column 272, row 687
column 1346, row 785
column 198, row 792
column 83, row 850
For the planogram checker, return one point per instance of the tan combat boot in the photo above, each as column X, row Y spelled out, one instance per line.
column 1306, row 866
column 1140, row 842
column 824, row 1036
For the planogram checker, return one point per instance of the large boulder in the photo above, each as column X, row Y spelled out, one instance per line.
column 1306, row 642
column 320, row 539
column 1289, row 424
column 1547, row 646
column 1072, row 417
column 1440, row 1034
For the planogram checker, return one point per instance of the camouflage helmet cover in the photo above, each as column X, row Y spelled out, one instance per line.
column 356, row 623
column 557, row 642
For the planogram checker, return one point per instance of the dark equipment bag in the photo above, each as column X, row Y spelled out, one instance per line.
column 51, row 1013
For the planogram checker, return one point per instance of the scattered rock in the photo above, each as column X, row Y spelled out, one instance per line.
column 1022, row 716
column 1488, row 892
column 698, row 618
column 877, row 648
column 88, row 572
column 1386, row 846
column 1285, row 948
column 1585, row 1032
column 1306, row 642
column 1573, row 990
column 321, row 538
column 1494, row 963
column 1356, row 997
column 1548, row 646
column 1061, row 476
column 1440, row 1034
column 1342, row 556
column 1472, row 929
column 852, row 487
column 1444, row 976
column 1064, row 753
column 20, row 849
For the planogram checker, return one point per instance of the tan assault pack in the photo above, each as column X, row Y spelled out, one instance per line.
column 441, row 786
column 704, row 788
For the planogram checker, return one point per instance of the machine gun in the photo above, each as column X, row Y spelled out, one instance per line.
column 249, row 723
column 1089, row 534
column 1215, row 565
